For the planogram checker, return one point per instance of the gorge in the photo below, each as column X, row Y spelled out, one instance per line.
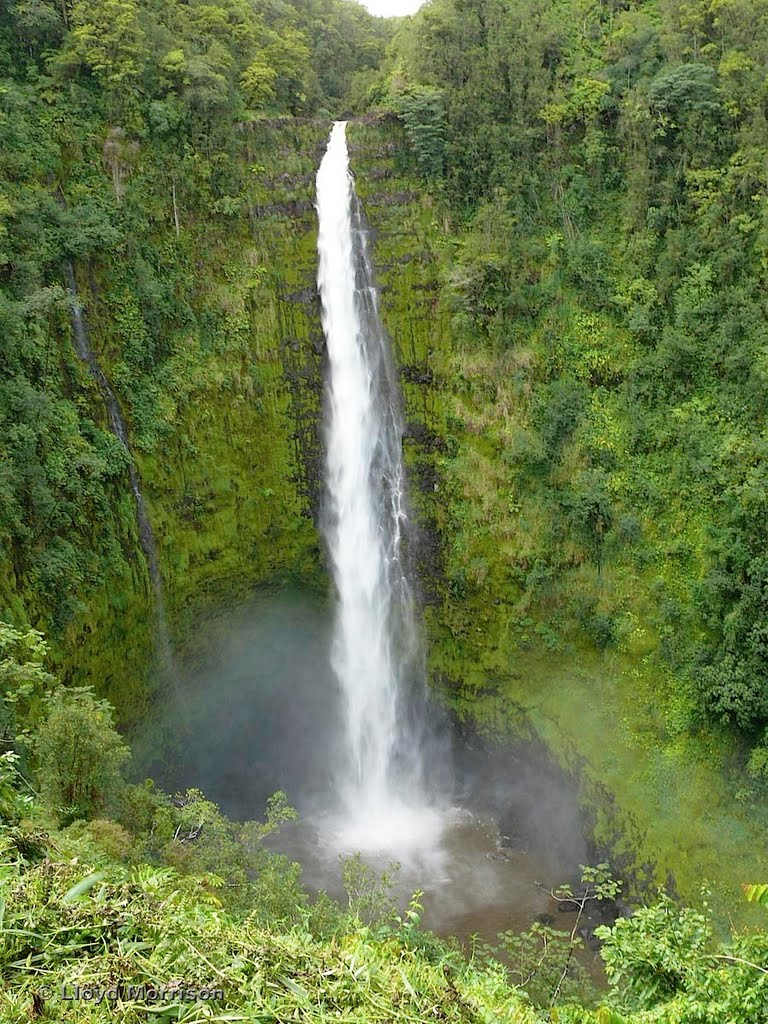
column 488, row 584
column 365, row 759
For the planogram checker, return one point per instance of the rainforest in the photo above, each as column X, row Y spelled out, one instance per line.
column 384, row 511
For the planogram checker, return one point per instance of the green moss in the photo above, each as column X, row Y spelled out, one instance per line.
column 210, row 341
column 520, row 606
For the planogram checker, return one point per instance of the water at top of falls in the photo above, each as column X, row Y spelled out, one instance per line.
column 375, row 654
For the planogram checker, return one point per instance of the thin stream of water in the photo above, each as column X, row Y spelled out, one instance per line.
column 117, row 425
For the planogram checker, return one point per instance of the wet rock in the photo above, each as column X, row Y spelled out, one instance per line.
column 400, row 198
column 589, row 938
column 423, row 436
column 498, row 855
column 306, row 296
column 514, row 833
column 417, row 375
column 291, row 180
column 293, row 208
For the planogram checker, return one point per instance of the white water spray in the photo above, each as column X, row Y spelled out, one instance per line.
column 375, row 650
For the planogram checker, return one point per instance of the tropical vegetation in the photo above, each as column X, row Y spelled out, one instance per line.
column 586, row 395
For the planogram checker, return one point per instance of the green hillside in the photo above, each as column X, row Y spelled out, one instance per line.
column 569, row 207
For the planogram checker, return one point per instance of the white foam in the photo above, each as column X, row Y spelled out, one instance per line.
column 375, row 648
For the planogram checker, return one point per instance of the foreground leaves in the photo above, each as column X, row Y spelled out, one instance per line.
column 114, row 929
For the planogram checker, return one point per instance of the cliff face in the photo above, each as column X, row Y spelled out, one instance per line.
column 205, row 321
column 407, row 239
column 519, row 602
column 234, row 488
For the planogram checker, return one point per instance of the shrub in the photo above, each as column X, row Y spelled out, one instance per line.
column 80, row 756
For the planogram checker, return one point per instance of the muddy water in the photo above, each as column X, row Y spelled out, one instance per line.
column 472, row 885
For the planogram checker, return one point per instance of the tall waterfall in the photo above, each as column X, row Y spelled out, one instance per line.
column 375, row 653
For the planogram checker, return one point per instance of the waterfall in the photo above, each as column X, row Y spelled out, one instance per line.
column 118, row 427
column 375, row 653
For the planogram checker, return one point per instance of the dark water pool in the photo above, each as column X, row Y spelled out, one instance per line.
column 258, row 712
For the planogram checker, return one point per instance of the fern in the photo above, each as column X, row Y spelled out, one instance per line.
column 756, row 893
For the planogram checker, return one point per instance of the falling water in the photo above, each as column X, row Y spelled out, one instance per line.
column 117, row 425
column 265, row 714
column 375, row 652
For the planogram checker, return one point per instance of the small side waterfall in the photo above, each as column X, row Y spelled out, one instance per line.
column 376, row 654
column 117, row 425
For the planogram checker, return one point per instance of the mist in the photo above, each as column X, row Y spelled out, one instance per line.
column 260, row 711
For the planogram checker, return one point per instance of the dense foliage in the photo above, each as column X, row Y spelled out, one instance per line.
column 122, row 903
column 125, row 126
column 605, row 163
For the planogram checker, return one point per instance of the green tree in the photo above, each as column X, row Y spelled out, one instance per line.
column 665, row 959
column 422, row 111
column 39, row 24
column 108, row 40
column 23, row 680
column 79, row 755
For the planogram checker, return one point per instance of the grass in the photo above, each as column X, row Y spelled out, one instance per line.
column 67, row 927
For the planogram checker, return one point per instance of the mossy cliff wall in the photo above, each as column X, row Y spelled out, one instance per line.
column 508, row 647
column 205, row 317
column 407, row 236
column 206, row 323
